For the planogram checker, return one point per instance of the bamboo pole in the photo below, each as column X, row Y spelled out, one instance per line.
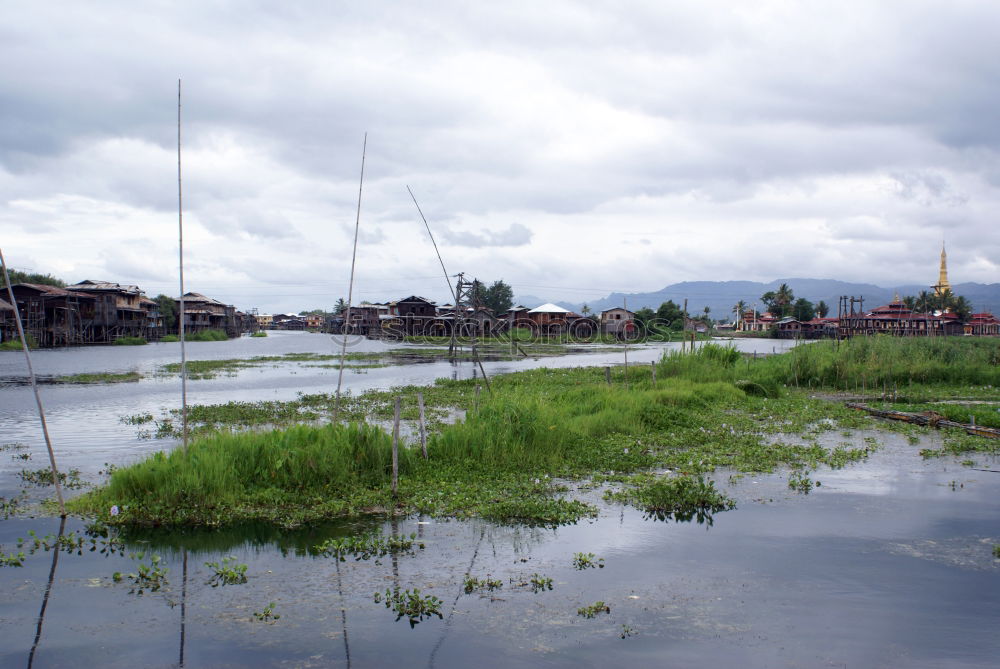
column 350, row 286
column 180, row 253
column 395, row 449
column 653, row 367
column 607, row 375
column 423, row 427
column 625, row 306
column 34, row 388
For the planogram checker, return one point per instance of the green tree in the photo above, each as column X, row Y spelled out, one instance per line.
column 822, row 309
column 644, row 315
column 671, row 314
column 341, row 305
column 17, row 276
column 739, row 309
column 168, row 311
column 803, row 310
column 779, row 302
column 499, row 297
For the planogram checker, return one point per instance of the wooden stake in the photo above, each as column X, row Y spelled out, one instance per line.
column 423, row 429
column 395, row 450
column 478, row 388
column 652, row 366
column 607, row 375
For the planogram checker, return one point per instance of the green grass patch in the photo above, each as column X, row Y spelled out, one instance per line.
column 130, row 341
column 207, row 335
column 707, row 410
column 100, row 377
column 170, row 338
column 259, row 333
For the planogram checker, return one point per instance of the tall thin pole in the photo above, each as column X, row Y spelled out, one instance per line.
column 454, row 295
column 180, row 251
column 34, row 387
column 350, row 286
column 625, row 306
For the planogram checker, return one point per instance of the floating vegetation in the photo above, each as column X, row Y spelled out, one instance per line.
column 169, row 339
column 227, row 572
column 267, row 615
column 410, row 604
column 206, row 335
column 12, row 559
column 130, row 341
column 679, row 498
column 368, row 546
column 9, row 507
column 539, row 583
column 627, row 631
column 137, row 419
column 592, row 610
column 800, row 482
column 259, row 333
column 996, row 551
column 151, row 577
column 100, row 377
column 43, row 477
column 583, row 561
column 472, row 584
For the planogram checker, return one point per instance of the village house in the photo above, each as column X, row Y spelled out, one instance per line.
column 8, row 324
column 265, row 321
column 55, row 316
column 753, row 321
column 119, row 310
column 413, row 315
column 983, row 324
column 204, row 313
column 618, row 322
column 897, row 319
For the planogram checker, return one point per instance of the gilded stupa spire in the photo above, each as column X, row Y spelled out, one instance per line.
column 942, row 284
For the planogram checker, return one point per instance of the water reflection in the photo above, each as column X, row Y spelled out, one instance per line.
column 56, row 550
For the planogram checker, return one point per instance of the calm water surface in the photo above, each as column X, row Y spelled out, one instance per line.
column 887, row 564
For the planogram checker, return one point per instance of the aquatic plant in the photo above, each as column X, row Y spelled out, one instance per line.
column 627, row 631
column 801, row 482
column 539, row 583
column 130, row 341
column 206, row 335
column 170, row 338
column 679, row 498
column 591, row 610
column 410, row 604
column 227, row 572
column 996, row 551
column 267, row 614
column 259, row 333
column 583, row 561
column 43, row 477
column 12, row 559
column 69, row 543
column 151, row 577
column 471, row 584
column 100, row 377
column 367, row 546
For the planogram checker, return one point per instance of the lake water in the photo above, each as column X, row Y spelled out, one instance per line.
column 887, row 564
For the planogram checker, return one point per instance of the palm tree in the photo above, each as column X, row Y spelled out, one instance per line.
column 822, row 309
column 924, row 302
column 739, row 309
column 783, row 298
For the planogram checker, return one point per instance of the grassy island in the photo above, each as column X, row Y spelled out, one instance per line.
column 517, row 451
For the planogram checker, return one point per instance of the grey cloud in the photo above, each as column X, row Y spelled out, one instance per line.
column 515, row 235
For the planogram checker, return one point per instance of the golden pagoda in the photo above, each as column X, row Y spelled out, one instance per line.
column 942, row 285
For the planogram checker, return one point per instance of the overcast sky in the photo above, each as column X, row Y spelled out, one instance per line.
column 570, row 148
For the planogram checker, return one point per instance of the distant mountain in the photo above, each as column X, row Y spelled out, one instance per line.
column 721, row 296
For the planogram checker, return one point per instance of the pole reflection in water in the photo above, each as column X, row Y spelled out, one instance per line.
column 184, row 586
column 48, row 589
